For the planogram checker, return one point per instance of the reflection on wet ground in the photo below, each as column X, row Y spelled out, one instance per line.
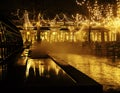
column 37, row 72
column 27, row 72
column 97, row 68
column 44, row 72
column 102, row 70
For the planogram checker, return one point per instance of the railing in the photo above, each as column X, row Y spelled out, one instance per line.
column 10, row 39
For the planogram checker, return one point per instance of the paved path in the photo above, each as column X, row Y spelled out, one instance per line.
column 101, row 69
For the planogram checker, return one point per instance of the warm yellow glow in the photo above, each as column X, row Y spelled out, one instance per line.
column 27, row 24
column 30, row 64
column 94, row 67
column 71, row 28
column 28, row 33
column 102, row 18
column 44, row 67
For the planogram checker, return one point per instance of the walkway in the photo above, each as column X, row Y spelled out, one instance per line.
column 102, row 70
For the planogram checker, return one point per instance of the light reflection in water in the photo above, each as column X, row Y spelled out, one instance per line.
column 44, row 66
column 96, row 68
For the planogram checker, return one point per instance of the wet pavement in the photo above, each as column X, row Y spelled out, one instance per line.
column 32, row 71
column 27, row 72
column 97, row 68
column 44, row 72
column 101, row 69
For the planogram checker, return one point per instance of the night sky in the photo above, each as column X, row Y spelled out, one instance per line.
column 39, row 5
column 46, row 6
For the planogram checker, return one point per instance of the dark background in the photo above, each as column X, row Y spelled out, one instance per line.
column 48, row 7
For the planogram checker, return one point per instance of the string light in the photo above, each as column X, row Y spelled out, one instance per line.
column 80, row 3
column 98, row 15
